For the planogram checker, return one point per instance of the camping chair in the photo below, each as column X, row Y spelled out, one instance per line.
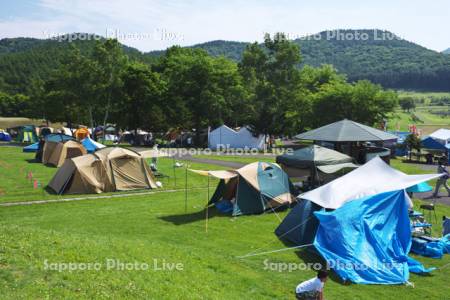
column 430, row 207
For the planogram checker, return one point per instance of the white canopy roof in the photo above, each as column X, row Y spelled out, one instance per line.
column 372, row 178
column 441, row 134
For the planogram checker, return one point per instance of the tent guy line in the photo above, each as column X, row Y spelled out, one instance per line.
column 274, row 251
column 23, row 203
column 255, row 252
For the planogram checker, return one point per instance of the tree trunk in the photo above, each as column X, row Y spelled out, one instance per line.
column 90, row 117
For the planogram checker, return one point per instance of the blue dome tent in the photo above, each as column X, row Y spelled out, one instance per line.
column 91, row 145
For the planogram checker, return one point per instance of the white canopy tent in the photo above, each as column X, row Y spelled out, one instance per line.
column 441, row 135
column 372, row 178
column 225, row 137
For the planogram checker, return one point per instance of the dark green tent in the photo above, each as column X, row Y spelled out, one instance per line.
column 315, row 156
column 314, row 160
column 252, row 189
column 26, row 134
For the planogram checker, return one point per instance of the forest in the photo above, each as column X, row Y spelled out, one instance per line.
column 102, row 82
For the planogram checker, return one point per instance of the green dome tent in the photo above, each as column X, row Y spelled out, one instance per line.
column 252, row 189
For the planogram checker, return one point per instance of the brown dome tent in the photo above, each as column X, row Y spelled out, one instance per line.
column 107, row 170
column 55, row 153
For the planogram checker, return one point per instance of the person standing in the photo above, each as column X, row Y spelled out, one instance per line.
column 442, row 181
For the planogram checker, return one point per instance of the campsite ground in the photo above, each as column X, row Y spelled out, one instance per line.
column 156, row 229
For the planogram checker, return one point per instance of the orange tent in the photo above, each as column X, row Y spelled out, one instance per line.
column 81, row 133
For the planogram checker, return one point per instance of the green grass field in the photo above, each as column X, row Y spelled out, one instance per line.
column 157, row 228
column 16, row 165
column 423, row 116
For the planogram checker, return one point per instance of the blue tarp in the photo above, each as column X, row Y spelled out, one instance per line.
column 224, row 206
column 402, row 135
column 422, row 187
column 430, row 143
column 446, row 226
column 5, row 137
column 368, row 240
column 90, row 145
column 434, row 249
column 58, row 137
column 31, row 148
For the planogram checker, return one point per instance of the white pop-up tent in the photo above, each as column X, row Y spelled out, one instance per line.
column 441, row 135
column 372, row 178
column 225, row 137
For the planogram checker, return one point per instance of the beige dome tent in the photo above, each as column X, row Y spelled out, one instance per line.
column 107, row 170
column 55, row 153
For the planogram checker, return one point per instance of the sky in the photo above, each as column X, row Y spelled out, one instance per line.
column 154, row 25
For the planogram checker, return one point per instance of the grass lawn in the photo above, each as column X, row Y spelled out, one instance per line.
column 16, row 165
column 156, row 229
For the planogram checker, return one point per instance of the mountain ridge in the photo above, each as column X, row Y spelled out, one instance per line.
column 377, row 55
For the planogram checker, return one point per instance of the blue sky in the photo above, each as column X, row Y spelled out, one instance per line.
column 150, row 25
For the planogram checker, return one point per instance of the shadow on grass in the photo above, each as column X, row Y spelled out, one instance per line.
column 310, row 256
column 193, row 217
column 32, row 161
column 417, row 162
column 181, row 219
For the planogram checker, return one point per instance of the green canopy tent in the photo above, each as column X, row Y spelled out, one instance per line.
column 314, row 160
column 252, row 189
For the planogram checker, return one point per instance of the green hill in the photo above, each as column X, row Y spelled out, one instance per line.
column 389, row 61
column 25, row 59
column 446, row 51
column 377, row 55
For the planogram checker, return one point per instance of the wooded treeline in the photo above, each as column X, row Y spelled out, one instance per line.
column 189, row 89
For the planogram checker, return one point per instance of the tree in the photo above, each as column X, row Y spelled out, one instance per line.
column 362, row 102
column 111, row 62
column 72, row 94
column 17, row 105
column 412, row 141
column 273, row 81
column 202, row 91
column 141, row 104
column 407, row 104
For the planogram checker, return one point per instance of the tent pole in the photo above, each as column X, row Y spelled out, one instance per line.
column 185, row 189
column 174, row 173
column 207, row 208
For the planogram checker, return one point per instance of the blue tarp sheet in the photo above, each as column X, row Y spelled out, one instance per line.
column 5, row 137
column 434, row 249
column 446, row 226
column 422, row 187
column 368, row 240
column 430, row 143
column 31, row 148
column 224, row 206
column 89, row 145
